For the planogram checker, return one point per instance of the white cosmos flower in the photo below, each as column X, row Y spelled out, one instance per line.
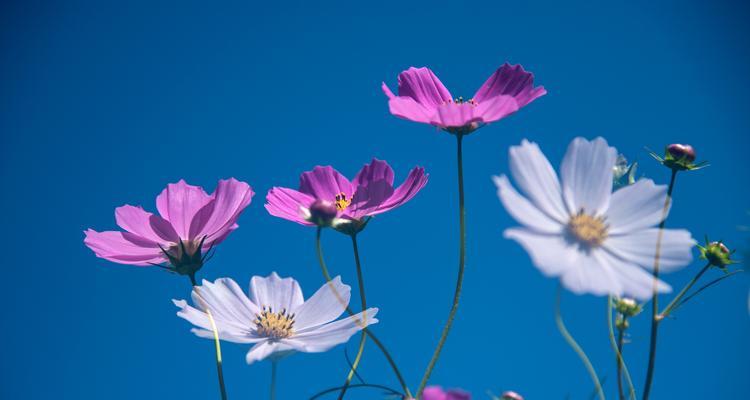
column 594, row 240
column 276, row 318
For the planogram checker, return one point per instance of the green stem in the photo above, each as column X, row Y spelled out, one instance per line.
column 574, row 345
column 217, row 345
column 655, row 297
column 272, row 389
column 676, row 300
column 381, row 346
column 363, row 300
column 706, row 286
column 461, row 266
column 617, row 348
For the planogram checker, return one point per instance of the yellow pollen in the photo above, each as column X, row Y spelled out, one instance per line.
column 274, row 325
column 589, row 230
column 341, row 202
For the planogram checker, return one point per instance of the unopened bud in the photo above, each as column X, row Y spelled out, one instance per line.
column 511, row 395
column 682, row 151
column 322, row 212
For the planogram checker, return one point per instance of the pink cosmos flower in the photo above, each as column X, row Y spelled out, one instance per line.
column 423, row 98
column 437, row 393
column 351, row 203
column 190, row 222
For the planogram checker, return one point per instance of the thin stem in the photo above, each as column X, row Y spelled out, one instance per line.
column 461, row 265
column 676, row 300
column 706, row 286
column 574, row 345
column 617, row 348
column 217, row 345
column 359, row 385
column 381, row 346
column 655, row 297
column 363, row 300
column 272, row 390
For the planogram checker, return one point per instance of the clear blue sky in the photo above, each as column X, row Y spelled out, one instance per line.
column 103, row 104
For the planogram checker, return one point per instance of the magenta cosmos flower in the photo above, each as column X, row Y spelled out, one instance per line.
column 326, row 197
column 190, row 222
column 423, row 98
column 437, row 393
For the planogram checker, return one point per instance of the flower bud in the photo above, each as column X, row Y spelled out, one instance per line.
column 717, row 254
column 511, row 395
column 681, row 152
column 322, row 212
column 627, row 307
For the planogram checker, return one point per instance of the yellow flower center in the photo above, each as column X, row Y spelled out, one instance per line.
column 589, row 230
column 341, row 202
column 274, row 325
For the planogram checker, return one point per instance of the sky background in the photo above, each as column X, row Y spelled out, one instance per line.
column 103, row 104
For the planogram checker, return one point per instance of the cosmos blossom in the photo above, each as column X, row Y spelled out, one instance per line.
column 190, row 221
column 275, row 317
column 437, row 393
column 423, row 98
column 594, row 240
column 371, row 192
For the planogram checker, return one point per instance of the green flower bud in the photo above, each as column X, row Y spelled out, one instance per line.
column 717, row 254
column 627, row 307
column 679, row 157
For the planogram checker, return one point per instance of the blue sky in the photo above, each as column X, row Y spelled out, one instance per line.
column 103, row 104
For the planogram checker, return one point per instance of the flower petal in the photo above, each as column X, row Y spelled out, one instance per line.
column 266, row 349
column 327, row 304
column 325, row 183
column 145, row 224
column 496, row 108
column 179, row 202
column 634, row 281
column 586, row 173
column 220, row 215
column 637, row 206
column 423, row 86
column 551, row 254
column 640, row 248
column 275, row 292
column 227, row 301
column 123, row 247
column 534, row 175
column 322, row 338
column 413, row 183
column 511, row 80
column 287, row 203
column 593, row 273
column 455, row 115
column 522, row 210
column 407, row 108
column 228, row 330
column 375, row 171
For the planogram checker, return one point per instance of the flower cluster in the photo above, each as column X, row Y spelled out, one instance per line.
column 593, row 226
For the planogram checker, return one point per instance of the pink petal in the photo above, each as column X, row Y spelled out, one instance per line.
column 376, row 170
column 511, row 80
column 179, row 203
column 123, row 247
column 142, row 223
column 423, row 86
column 407, row 108
column 286, row 203
column 324, row 183
column 496, row 108
column 215, row 218
column 416, row 180
column 455, row 115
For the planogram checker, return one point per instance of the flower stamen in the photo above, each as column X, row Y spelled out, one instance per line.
column 341, row 202
column 273, row 325
column 589, row 230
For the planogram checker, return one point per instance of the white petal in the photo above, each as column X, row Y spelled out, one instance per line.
column 550, row 253
column 592, row 273
column 522, row 210
column 327, row 304
column 586, row 173
column 226, row 301
column 534, row 175
column 640, row 248
column 268, row 349
column 637, row 206
column 635, row 281
column 231, row 331
column 275, row 292
column 324, row 337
